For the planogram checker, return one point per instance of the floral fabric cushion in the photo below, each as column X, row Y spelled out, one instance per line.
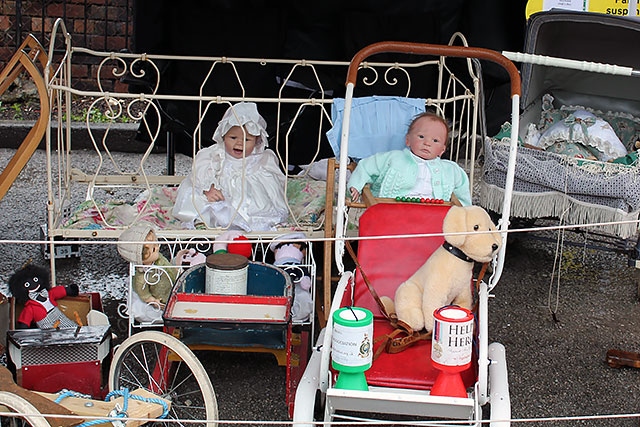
column 306, row 198
column 571, row 149
column 549, row 114
column 583, row 127
column 625, row 126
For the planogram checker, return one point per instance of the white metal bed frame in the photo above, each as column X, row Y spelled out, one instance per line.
column 67, row 182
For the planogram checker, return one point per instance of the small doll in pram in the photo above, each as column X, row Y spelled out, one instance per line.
column 152, row 281
column 289, row 251
column 31, row 288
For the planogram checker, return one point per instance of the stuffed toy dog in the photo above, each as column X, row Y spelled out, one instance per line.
column 445, row 278
column 30, row 286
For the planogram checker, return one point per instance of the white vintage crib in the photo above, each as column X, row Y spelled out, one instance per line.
column 97, row 201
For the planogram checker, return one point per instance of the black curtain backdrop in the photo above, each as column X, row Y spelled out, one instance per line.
column 326, row 30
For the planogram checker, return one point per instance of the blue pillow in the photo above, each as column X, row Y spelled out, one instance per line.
column 378, row 123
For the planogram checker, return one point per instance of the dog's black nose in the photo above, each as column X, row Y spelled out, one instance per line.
column 495, row 246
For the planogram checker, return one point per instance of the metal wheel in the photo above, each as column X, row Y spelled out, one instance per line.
column 160, row 363
column 26, row 413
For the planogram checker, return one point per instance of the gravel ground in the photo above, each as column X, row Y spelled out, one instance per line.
column 556, row 369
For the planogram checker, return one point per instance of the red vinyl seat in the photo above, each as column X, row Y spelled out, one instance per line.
column 387, row 263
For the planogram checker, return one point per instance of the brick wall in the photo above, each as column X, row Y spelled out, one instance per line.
column 104, row 25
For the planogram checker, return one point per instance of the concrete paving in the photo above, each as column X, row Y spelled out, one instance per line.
column 556, row 369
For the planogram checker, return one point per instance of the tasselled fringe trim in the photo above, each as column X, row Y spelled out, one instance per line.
column 557, row 205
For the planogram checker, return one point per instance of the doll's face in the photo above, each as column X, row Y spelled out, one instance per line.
column 427, row 138
column 233, row 142
column 295, row 272
column 33, row 284
column 36, row 288
column 150, row 251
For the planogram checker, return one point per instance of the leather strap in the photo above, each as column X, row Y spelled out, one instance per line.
column 399, row 339
column 403, row 335
column 483, row 270
column 392, row 317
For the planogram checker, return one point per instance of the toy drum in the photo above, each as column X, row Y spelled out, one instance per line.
column 452, row 336
column 227, row 274
column 351, row 351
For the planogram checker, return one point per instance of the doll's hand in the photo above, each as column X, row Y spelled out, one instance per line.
column 355, row 194
column 72, row 290
column 213, row 194
column 154, row 301
column 181, row 255
column 305, row 283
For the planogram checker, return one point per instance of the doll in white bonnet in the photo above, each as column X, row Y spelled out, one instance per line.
column 138, row 245
column 235, row 183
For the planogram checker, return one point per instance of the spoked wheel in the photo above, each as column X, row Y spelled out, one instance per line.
column 26, row 413
column 161, row 364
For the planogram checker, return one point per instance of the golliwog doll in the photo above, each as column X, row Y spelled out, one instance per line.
column 30, row 287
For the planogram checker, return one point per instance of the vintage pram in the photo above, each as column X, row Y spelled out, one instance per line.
column 565, row 74
column 399, row 384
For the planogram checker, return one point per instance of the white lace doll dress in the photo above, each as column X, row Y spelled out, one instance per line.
column 253, row 188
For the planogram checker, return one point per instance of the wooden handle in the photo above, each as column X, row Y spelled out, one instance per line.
column 619, row 358
column 437, row 50
column 78, row 320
